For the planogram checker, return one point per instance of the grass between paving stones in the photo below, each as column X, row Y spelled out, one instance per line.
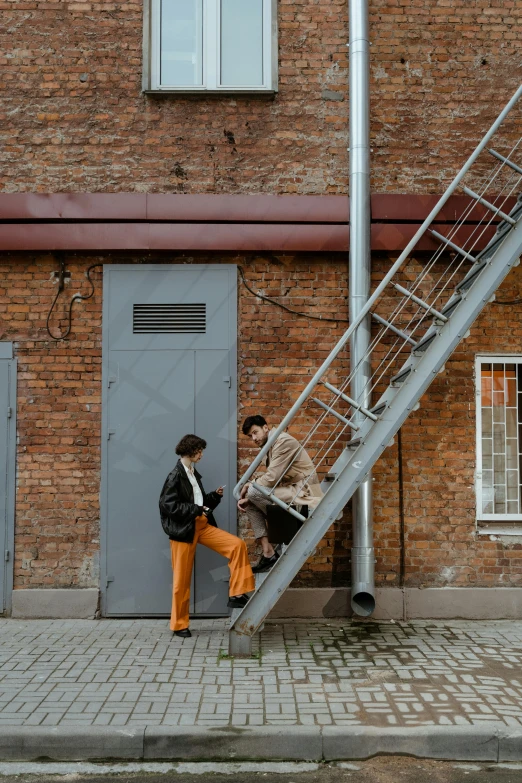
column 224, row 656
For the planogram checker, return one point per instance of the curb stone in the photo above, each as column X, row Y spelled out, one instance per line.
column 74, row 743
column 510, row 745
column 453, row 743
column 267, row 743
column 260, row 743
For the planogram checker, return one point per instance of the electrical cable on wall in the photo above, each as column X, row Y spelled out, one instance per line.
column 284, row 307
column 75, row 298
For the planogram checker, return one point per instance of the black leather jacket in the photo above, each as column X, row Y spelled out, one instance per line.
column 177, row 508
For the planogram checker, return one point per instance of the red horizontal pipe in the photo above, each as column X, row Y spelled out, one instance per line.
column 209, row 208
column 214, row 237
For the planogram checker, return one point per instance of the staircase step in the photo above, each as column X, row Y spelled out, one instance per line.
column 426, row 341
column 454, row 302
column 401, row 376
column 471, row 276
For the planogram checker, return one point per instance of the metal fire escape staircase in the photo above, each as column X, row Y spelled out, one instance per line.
column 421, row 310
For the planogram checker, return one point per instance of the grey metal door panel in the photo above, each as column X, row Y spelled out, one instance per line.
column 151, row 405
column 4, row 449
column 212, row 414
column 192, row 285
column 158, row 387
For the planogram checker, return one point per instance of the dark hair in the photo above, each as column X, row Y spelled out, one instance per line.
column 189, row 445
column 252, row 421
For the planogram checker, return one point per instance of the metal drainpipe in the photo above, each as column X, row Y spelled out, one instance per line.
column 363, row 558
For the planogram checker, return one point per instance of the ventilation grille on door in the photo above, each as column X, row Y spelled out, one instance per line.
column 169, row 319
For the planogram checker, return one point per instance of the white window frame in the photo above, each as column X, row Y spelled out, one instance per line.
column 211, row 52
column 481, row 517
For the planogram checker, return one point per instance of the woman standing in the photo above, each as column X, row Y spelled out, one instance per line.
column 187, row 519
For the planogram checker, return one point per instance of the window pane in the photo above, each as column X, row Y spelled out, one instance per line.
column 498, row 377
column 487, row 389
column 498, row 412
column 242, row 42
column 487, row 492
column 512, row 453
column 500, row 499
column 486, row 423
column 499, row 462
column 511, row 422
column 181, row 42
column 499, row 435
column 512, row 485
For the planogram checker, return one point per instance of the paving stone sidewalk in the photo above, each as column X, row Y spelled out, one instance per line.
column 133, row 673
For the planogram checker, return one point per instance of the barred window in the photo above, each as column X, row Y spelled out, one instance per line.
column 499, row 438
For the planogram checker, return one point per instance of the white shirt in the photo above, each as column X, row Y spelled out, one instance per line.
column 198, row 495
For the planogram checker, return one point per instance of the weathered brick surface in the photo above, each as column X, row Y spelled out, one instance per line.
column 59, row 387
column 59, row 408
column 74, row 117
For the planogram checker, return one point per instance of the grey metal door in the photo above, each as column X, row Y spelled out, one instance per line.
column 7, row 471
column 169, row 369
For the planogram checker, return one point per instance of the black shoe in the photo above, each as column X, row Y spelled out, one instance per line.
column 265, row 563
column 184, row 633
column 238, row 601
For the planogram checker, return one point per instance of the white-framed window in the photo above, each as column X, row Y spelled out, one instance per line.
column 499, row 438
column 227, row 46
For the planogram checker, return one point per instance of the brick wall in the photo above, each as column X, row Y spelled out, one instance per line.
column 74, row 117
column 59, row 388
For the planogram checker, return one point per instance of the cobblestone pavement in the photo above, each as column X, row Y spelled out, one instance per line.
column 133, row 673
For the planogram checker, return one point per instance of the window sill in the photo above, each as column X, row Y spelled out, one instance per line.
column 268, row 94
column 499, row 528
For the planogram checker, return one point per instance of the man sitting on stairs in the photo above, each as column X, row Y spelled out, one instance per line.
column 290, row 470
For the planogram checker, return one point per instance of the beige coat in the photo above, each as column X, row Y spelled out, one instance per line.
column 287, row 461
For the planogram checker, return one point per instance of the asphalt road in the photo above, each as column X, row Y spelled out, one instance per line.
column 379, row 770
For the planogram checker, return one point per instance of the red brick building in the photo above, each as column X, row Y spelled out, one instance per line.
column 106, row 160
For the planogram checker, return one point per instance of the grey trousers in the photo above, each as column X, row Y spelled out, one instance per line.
column 256, row 512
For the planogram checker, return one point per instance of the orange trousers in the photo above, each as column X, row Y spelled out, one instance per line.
column 182, row 556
